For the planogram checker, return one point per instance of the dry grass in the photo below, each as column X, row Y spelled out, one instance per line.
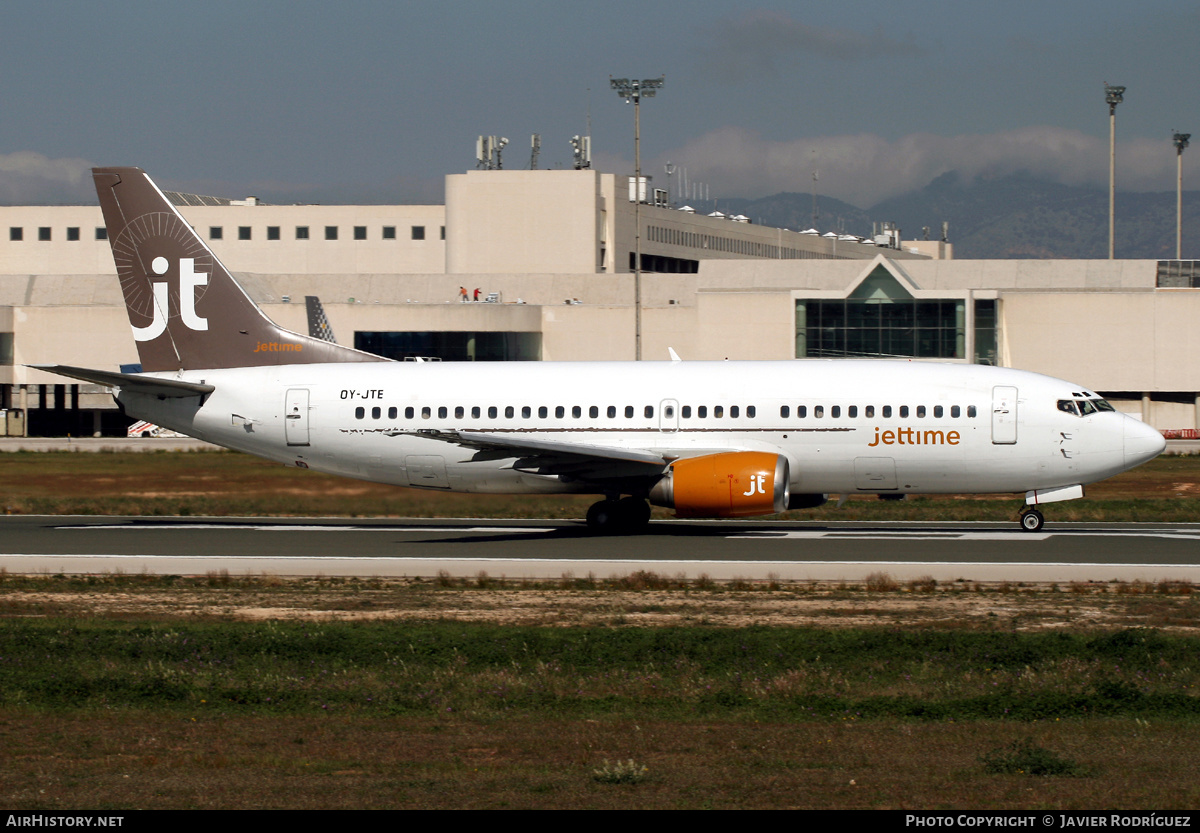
column 121, row 761
column 641, row 598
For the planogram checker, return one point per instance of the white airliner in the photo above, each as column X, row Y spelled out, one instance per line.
column 707, row 439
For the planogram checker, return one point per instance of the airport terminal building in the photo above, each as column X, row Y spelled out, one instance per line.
column 539, row 265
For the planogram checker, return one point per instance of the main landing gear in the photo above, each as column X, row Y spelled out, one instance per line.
column 1032, row 520
column 615, row 517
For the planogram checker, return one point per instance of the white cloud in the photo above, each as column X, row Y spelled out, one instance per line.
column 864, row 169
column 28, row 177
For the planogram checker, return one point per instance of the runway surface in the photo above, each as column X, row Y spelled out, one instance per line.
column 548, row 549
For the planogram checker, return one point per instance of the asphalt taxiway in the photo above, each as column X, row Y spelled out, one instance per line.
column 548, row 549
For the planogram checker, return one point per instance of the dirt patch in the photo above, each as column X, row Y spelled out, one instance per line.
column 973, row 606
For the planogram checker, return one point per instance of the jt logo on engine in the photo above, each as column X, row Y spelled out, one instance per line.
column 756, row 485
column 189, row 279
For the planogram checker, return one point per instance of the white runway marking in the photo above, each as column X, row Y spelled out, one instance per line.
column 307, row 528
column 965, row 535
column 837, row 535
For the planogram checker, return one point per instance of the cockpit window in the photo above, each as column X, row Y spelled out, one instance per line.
column 1086, row 407
column 1102, row 405
column 1067, row 407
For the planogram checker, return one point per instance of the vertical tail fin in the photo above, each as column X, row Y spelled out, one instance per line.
column 186, row 310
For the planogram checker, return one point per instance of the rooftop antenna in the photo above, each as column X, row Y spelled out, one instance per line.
column 582, row 152
column 487, row 152
column 535, row 144
column 670, row 169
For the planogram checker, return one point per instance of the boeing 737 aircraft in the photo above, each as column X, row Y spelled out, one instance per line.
column 706, row 439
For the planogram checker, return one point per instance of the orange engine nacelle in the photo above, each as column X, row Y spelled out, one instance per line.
column 735, row 484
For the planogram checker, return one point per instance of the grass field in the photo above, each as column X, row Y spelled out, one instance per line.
column 175, row 692
column 228, row 483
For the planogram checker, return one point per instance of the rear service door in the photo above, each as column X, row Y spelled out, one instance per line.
column 295, row 416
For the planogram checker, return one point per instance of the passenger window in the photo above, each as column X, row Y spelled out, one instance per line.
column 835, row 411
column 359, row 413
column 409, row 413
column 612, row 412
column 870, row 412
column 594, row 412
column 376, row 413
column 628, row 412
column 576, row 411
column 818, row 412
column 392, row 413
column 649, row 411
column 560, row 412
column 475, row 412
column 701, row 411
column 543, row 412
column 426, row 413
column 887, row 411
column 955, row 412
column 718, row 411
column 920, row 412
column 785, row 411
column 733, row 411
column 937, row 411
column 686, row 411
column 852, row 411
column 459, row 412
column 492, row 412
column 903, row 412
column 971, row 412
column 509, row 412
column 526, row 412
column 801, row 411
column 442, row 412
column 751, row 411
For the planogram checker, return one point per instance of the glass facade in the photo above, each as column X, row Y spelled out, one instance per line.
column 986, row 329
column 848, row 328
column 881, row 319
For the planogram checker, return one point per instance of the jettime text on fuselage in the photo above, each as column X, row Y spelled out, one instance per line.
column 914, row 436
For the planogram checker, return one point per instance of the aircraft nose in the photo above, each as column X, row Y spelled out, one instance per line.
column 1142, row 442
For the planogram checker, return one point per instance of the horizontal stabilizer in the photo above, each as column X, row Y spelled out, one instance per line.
column 135, row 382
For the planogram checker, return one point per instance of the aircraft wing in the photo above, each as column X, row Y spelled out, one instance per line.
column 589, row 462
column 135, row 382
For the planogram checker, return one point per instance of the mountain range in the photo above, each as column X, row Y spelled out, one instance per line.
column 1012, row 216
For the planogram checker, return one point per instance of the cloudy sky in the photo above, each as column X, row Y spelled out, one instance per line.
column 374, row 101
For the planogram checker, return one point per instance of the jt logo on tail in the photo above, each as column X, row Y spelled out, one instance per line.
column 189, row 279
